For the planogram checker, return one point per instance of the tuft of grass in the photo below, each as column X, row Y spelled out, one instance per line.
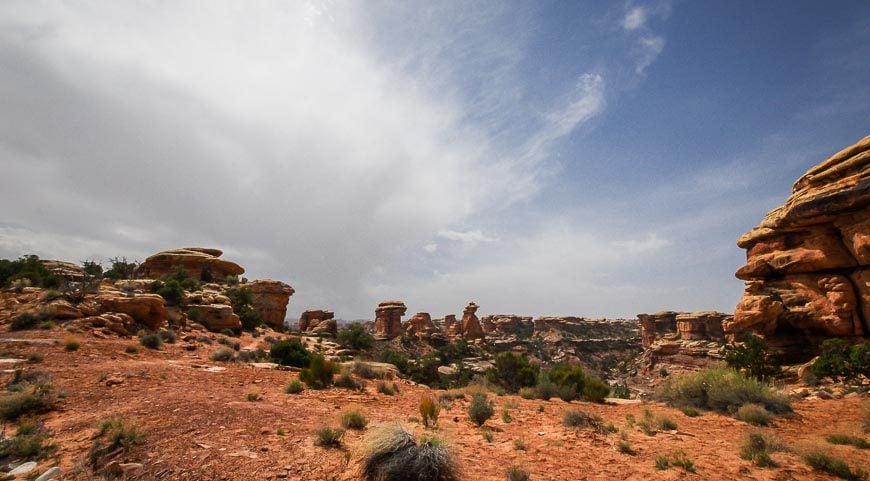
column 252, row 396
column 366, row 371
column 844, row 439
column 353, row 419
column 223, row 354
column 488, row 436
column 294, row 387
column 390, row 452
column 682, row 461
column 662, row 462
column 71, row 343
column 721, row 390
column 821, row 461
column 30, row 392
column 319, row 374
column 328, row 437
column 114, row 434
column 506, row 416
column 131, row 349
column 429, row 411
column 345, row 380
column 46, row 325
column 29, row 442
column 520, row 444
column 757, row 446
column 540, row 408
column 480, row 409
column 390, row 389
column 35, row 358
column 624, row 447
column 753, row 414
column 527, row 393
column 515, row 473
column 151, row 340
column 575, row 418
column 690, row 411
column 280, row 432
column 666, row 424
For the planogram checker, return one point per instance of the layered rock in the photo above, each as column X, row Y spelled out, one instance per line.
column 507, row 325
column 216, row 317
column 66, row 270
column 318, row 321
column 199, row 262
column 422, row 326
column 807, row 263
column 270, row 301
column 682, row 340
column 147, row 309
column 471, row 328
column 388, row 319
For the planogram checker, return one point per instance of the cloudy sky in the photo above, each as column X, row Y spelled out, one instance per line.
column 577, row 158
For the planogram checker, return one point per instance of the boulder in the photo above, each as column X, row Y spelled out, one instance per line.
column 216, row 317
column 807, row 261
column 147, row 309
column 270, row 301
column 318, row 321
column 199, row 262
column 388, row 319
column 66, row 270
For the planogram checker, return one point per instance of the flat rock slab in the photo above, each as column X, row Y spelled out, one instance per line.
column 10, row 361
column 265, row 365
column 45, row 342
column 23, row 468
column 49, row 475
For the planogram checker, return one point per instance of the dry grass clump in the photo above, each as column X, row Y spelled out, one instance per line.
column 391, row 453
column 576, row 418
column 820, row 460
column 515, row 473
column 71, row 343
column 366, row 371
column 845, row 439
column 679, row 460
column 753, row 414
column 353, row 419
column 757, row 447
column 480, row 409
column 328, row 437
column 114, row 434
column 28, row 443
column 29, row 392
column 223, row 354
column 429, row 411
column 294, row 387
column 390, row 389
column 721, row 390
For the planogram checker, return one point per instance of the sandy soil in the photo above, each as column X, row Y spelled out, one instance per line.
column 200, row 426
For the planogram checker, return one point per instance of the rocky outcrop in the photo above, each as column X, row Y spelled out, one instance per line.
column 65, row 270
column 199, row 262
column 270, row 301
column 807, row 263
column 422, row 326
column 388, row 319
column 679, row 341
column 471, row 328
column 507, row 325
column 215, row 317
column 147, row 309
column 318, row 321
column 587, row 328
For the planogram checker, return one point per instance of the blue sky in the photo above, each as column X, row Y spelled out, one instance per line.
column 542, row 158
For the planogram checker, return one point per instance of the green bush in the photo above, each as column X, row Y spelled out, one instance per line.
column 151, row 340
column 843, row 439
column 397, row 359
column 621, row 391
column 573, row 382
column 167, row 336
column 345, row 380
column 753, row 357
column 366, row 371
column 721, row 390
column 250, row 319
column 172, row 292
column 355, row 336
column 290, row 352
column 353, row 419
column 527, row 392
column 391, row 453
column 319, row 373
column 131, row 349
column 28, row 443
column 757, row 447
column 480, row 409
column 121, row 269
column 580, row 419
column 821, row 461
column 753, row 414
column 328, row 437
column 513, row 371
column 690, row 411
column 388, row 389
column 294, row 387
column 24, row 321
column 27, row 267
column 839, row 361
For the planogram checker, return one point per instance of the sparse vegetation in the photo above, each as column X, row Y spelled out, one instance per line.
column 27, row 268
column 822, row 461
column 345, row 380
column 35, row 358
column 366, row 371
column 319, row 373
column 353, row 419
column 690, row 411
column 25, row 320
column 290, row 352
column 515, row 473
column 223, row 354
column 480, row 409
column 487, row 435
column 575, row 418
column 721, row 390
column 30, row 392
column 845, row 439
column 513, row 371
column 679, row 460
column 294, row 387
column 390, row 389
column 131, row 349
column 520, row 444
column 114, row 434
column 151, row 340
column 842, row 362
column 389, row 452
column 429, row 411
column 253, row 395
column 506, row 416
column 355, row 336
column 754, row 414
column 328, row 437
column 757, row 447
column 573, row 383
column 753, row 357
column 71, row 343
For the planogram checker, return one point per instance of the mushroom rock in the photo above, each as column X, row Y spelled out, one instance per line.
column 388, row 319
column 270, row 301
column 471, row 328
column 807, row 262
column 199, row 262
column 318, row 321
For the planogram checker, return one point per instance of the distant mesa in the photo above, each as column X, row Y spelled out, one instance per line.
column 199, row 262
column 807, row 266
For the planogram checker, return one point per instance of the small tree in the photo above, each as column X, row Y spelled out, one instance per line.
column 290, row 352
column 355, row 336
column 513, row 371
column 121, row 269
column 754, row 357
column 480, row 409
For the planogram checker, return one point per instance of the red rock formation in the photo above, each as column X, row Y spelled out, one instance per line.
column 669, row 325
column 147, row 309
column 270, row 301
column 420, row 323
column 199, row 262
column 471, row 328
column 506, row 324
column 216, row 317
column 318, row 321
column 807, row 263
column 388, row 319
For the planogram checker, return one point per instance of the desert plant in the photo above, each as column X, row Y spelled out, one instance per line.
column 51, row 295
column 151, row 340
column 121, row 269
column 666, row 424
column 821, row 461
column 252, row 396
column 480, row 409
column 575, row 418
column 513, row 371
column 167, row 336
column 527, row 393
column 621, row 391
column 205, row 339
column 690, row 411
column 574, row 383
column 353, row 419
column 251, row 356
column 506, row 416
column 662, row 462
column 294, row 387
column 328, row 437
column 681, row 460
column 223, row 354
column 844, row 439
column 391, row 453
column 722, row 390
column 24, row 321
column 754, row 414
column 366, row 371
column 754, row 357
column 515, row 473
column 280, row 432
column 345, row 380
column 318, row 374
column 757, row 446
column 228, row 332
column 487, row 435
column 290, row 352
column 46, row 325
column 131, row 349
column 429, row 410
column 35, row 358
column 115, row 434
column 172, row 292
column 71, row 343
column 28, row 443
column 390, row 389
column 520, row 444
column 355, row 336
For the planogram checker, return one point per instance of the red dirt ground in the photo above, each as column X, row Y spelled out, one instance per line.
column 200, row 426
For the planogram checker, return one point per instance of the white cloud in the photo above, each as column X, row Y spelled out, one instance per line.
column 472, row 236
column 430, row 248
column 651, row 242
column 635, row 18
column 650, row 48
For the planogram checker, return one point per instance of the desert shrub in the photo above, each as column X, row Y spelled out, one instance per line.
column 595, row 390
column 51, row 295
column 121, row 269
column 250, row 319
column 366, row 371
column 345, row 380
column 172, row 292
column 527, row 393
column 28, row 443
column 690, row 411
column 389, row 389
column 184, row 280
column 662, row 462
column 488, row 436
column 234, row 345
column 620, row 391
column 575, row 418
column 290, row 352
column 425, row 370
column 515, row 473
column 223, row 354
column 667, row 424
column 28, row 268
column 397, row 359
column 391, row 453
column 27, row 396
column 839, row 361
column 35, row 358
column 229, row 332
column 93, row 268
column 46, row 325
column 353, row 419
column 859, row 359
column 131, row 349
column 545, row 389
column 252, row 356
column 753, row 357
column 682, row 461
column 480, row 409
column 429, row 411
column 319, row 373
column 23, row 321
column 205, row 339
column 167, row 336
column 520, row 444
column 232, row 280
column 71, row 343
column 757, row 446
column 754, row 414
column 355, row 336
column 252, row 396
column 114, row 434
column 294, row 387
column 722, row 390
column 573, row 382
column 821, row 461
column 328, row 437
column 844, row 439
column 151, row 340
column 624, row 447
column 513, row 371
column 506, row 416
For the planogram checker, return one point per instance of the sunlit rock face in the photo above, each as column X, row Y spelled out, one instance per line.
column 807, row 266
column 199, row 262
column 388, row 319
